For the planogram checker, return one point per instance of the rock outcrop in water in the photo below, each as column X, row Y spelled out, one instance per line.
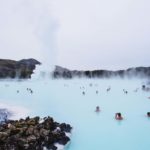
column 22, row 69
column 61, row 72
column 32, row 134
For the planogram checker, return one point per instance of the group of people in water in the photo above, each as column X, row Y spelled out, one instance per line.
column 107, row 90
column 118, row 116
column 144, row 88
column 28, row 89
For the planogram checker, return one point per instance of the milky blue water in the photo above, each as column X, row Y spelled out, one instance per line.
column 64, row 101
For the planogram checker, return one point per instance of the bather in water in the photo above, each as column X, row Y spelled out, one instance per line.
column 97, row 109
column 108, row 89
column 144, row 88
column 125, row 91
column 148, row 114
column 118, row 116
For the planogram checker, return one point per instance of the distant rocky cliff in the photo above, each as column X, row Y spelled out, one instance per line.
column 60, row 72
column 22, row 69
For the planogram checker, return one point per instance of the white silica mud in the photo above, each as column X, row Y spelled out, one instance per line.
column 12, row 111
column 74, row 102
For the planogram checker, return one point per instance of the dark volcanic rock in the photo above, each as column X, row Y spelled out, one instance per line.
column 31, row 134
column 22, row 69
column 61, row 72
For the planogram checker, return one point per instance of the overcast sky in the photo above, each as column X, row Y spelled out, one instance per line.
column 78, row 34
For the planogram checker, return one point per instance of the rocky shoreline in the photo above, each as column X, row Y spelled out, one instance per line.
column 141, row 72
column 22, row 69
column 33, row 134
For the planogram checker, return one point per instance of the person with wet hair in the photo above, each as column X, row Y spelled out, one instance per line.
column 97, row 109
column 118, row 116
column 148, row 114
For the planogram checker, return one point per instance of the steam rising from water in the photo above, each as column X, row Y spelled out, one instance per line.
column 27, row 30
column 42, row 72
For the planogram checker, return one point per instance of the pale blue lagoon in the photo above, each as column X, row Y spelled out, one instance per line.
column 65, row 102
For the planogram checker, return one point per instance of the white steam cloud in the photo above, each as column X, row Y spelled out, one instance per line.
column 104, row 34
column 77, row 34
column 27, row 30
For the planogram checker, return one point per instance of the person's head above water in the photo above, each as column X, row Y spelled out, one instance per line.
column 118, row 116
column 148, row 114
column 143, row 86
column 97, row 109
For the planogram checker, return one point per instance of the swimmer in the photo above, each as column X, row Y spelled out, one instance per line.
column 97, row 109
column 118, row 116
column 31, row 91
column 108, row 89
column 148, row 114
column 126, row 92
column 83, row 93
column 97, row 92
column 143, row 87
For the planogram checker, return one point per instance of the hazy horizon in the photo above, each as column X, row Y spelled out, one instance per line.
column 81, row 34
